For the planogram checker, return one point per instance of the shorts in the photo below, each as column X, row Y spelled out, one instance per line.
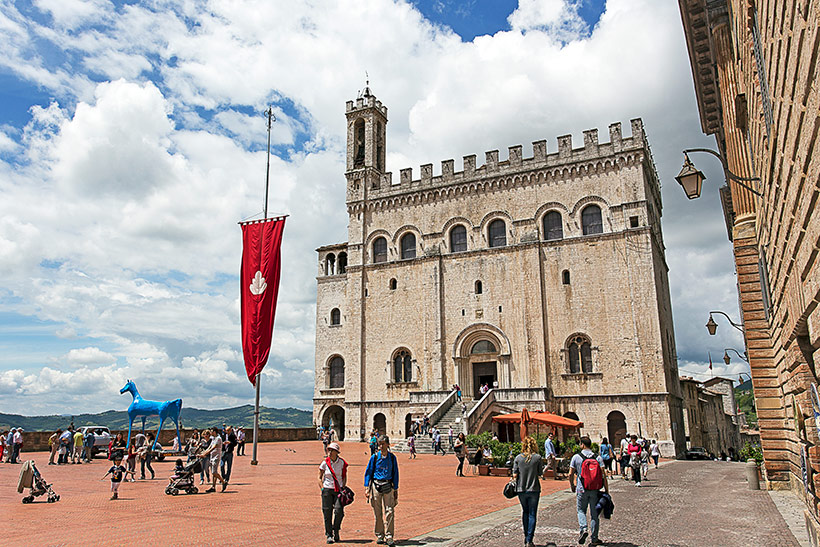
column 608, row 464
column 115, row 486
column 213, row 466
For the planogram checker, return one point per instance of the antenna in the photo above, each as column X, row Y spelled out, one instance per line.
column 270, row 119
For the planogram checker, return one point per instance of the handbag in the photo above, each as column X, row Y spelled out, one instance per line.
column 509, row 490
column 345, row 494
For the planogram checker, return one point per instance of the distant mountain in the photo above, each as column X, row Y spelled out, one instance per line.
column 191, row 418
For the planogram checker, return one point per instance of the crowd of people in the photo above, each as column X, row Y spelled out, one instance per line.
column 11, row 442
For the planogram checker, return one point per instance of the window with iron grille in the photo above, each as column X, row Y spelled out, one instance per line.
column 380, row 250
column 765, row 98
column 553, row 227
column 458, row 239
column 497, row 233
column 337, row 372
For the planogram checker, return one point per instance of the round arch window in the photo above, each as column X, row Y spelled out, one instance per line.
column 483, row 346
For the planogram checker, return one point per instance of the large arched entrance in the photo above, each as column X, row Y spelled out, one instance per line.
column 380, row 424
column 334, row 418
column 616, row 427
column 481, row 355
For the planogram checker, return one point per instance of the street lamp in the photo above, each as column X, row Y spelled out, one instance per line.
column 727, row 359
column 691, row 180
column 711, row 326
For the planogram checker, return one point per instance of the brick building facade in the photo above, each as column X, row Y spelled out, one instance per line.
column 543, row 277
column 754, row 64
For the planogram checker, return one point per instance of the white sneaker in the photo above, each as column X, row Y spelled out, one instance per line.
column 637, row 484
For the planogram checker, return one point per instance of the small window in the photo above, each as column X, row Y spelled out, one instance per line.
column 335, row 316
column 402, row 366
column 591, row 220
column 458, row 239
column 478, row 287
column 633, row 222
column 341, row 264
column 380, row 250
column 565, row 277
column 337, row 373
column 553, row 226
column 497, row 233
column 408, row 246
column 330, row 264
column 499, row 309
column 483, row 346
column 463, row 312
column 393, row 284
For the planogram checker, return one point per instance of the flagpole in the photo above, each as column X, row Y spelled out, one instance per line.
column 271, row 118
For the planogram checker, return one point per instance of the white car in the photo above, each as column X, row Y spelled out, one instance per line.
column 102, row 436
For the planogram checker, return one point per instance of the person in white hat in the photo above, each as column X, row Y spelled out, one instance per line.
column 332, row 478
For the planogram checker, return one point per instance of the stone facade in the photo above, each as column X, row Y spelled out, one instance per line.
column 542, row 272
column 708, row 416
column 755, row 69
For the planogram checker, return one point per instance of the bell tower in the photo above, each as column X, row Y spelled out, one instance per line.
column 366, row 144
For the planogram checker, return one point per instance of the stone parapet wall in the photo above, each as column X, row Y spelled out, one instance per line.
column 36, row 441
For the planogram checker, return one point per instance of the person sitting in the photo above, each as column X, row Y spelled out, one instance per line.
column 487, row 456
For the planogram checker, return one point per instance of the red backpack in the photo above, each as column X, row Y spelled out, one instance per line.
column 592, row 478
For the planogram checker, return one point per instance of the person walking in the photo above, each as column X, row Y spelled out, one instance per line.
column 550, row 454
column 214, row 453
column 460, row 449
column 146, row 455
column 53, row 446
column 634, row 451
column 3, row 444
column 528, row 467
column 606, row 454
column 332, row 478
column 655, row 452
column 18, row 445
column 624, row 453
column 411, row 445
column 77, row 454
column 586, row 479
column 240, row 442
column 118, row 447
column 9, row 443
column 64, row 448
column 381, row 483
column 227, row 453
column 88, row 445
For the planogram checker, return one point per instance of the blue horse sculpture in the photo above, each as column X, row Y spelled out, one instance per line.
column 144, row 408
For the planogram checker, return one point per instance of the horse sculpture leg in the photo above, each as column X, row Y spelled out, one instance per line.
column 143, row 424
column 130, row 421
column 161, row 421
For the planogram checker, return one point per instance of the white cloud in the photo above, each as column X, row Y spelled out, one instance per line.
column 88, row 356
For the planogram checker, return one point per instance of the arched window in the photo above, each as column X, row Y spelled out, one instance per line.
column 402, row 366
column 591, row 220
column 341, row 264
column 483, row 346
column 580, row 354
column 408, row 246
column 553, row 226
column 358, row 147
column 497, row 233
column 458, row 239
column 393, row 284
column 478, row 287
column 337, row 372
column 330, row 264
column 335, row 316
column 380, row 250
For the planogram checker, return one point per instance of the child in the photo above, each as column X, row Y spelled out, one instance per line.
column 411, row 444
column 179, row 469
column 117, row 471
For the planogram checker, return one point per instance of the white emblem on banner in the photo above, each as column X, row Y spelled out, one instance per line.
column 258, row 284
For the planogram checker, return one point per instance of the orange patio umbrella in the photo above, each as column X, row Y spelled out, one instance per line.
column 525, row 419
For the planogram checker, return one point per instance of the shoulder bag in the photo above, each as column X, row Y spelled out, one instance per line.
column 345, row 494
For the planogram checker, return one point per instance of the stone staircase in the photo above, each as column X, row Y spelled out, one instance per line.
column 424, row 443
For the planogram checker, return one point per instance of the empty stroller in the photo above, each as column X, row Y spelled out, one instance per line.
column 30, row 478
column 185, row 479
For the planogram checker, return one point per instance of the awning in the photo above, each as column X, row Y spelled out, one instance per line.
column 543, row 418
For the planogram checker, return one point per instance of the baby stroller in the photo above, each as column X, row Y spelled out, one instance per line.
column 30, row 478
column 185, row 480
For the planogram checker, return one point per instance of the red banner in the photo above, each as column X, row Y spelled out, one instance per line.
column 259, row 287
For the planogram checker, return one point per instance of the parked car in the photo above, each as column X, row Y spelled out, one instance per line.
column 697, row 453
column 102, row 436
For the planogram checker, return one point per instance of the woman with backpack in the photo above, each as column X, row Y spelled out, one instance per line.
column 527, row 468
column 332, row 478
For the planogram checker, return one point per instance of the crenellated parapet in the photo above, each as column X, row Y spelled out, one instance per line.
column 566, row 156
column 367, row 101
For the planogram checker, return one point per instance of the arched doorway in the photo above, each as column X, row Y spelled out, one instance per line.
column 616, row 427
column 380, row 424
column 334, row 418
column 484, row 355
column 408, row 425
column 571, row 416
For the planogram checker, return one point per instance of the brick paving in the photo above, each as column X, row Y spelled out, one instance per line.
column 695, row 504
column 274, row 503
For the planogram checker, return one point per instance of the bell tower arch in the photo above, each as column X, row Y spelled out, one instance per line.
column 366, row 145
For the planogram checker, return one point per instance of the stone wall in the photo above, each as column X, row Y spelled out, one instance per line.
column 35, row 441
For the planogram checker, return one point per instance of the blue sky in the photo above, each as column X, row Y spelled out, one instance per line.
column 132, row 141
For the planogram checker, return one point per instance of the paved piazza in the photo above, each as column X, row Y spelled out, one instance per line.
column 275, row 503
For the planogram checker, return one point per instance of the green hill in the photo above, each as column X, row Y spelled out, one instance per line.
column 191, row 418
column 745, row 397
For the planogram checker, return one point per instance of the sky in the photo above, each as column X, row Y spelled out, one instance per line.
column 132, row 141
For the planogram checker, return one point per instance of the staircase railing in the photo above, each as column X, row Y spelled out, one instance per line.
column 477, row 412
column 443, row 407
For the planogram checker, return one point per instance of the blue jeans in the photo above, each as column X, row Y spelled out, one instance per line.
column 227, row 464
column 589, row 498
column 529, row 511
